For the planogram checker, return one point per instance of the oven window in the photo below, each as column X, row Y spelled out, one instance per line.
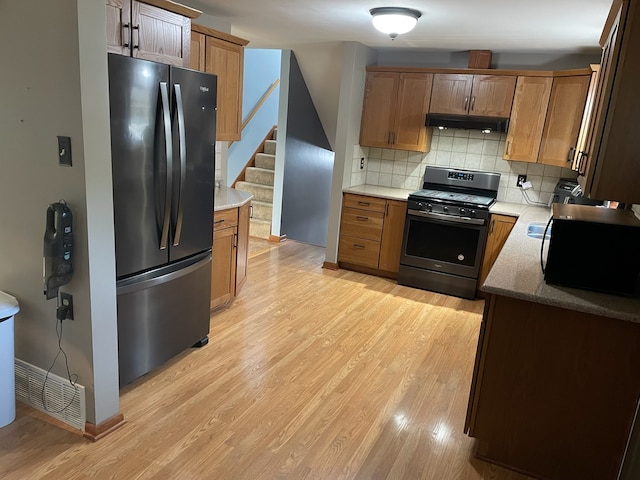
column 443, row 242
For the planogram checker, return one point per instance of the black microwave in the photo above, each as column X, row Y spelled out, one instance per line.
column 594, row 248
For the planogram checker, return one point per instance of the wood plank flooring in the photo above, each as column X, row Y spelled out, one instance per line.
column 310, row 374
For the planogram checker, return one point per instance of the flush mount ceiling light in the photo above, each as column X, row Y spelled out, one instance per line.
column 394, row 20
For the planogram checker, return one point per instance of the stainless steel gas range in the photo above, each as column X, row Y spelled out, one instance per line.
column 445, row 231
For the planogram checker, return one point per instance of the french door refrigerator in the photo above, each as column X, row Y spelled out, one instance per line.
column 163, row 149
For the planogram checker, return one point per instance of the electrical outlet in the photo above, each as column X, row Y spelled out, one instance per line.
column 66, row 299
column 362, row 163
column 521, row 180
column 64, row 151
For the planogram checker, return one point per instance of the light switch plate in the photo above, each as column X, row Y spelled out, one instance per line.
column 64, row 151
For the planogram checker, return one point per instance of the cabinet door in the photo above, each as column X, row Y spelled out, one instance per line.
column 392, row 232
column 492, row 95
column 527, row 118
column 160, row 35
column 242, row 242
column 378, row 112
column 499, row 229
column 196, row 55
column 585, row 134
column 223, row 266
column 226, row 60
column 564, row 114
column 451, row 93
column 119, row 26
column 409, row 131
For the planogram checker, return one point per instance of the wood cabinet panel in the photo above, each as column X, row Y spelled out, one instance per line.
column 361, row 224
column 118, row 16
column 378, row 113
column 363, row 202
column 409, row 132
column 451, row 94
column 242, row 251
column 392, row 232
column 500, row 227
column 564, row 116
column 197, row 52
column 358, row 251
column 585, row 135
column 546, row 402
column 527, row 118
column 226, row 60
column 223, row 266
column 492, row 95
column 225, row 218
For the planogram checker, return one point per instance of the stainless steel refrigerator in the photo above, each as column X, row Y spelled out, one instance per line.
column 163, row 153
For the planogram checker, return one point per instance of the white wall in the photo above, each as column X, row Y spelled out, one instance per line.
column 54, row 83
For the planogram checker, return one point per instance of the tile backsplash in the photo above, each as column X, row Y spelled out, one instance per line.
column 468, row 149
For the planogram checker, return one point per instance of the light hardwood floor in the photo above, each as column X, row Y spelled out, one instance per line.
column 310, row 374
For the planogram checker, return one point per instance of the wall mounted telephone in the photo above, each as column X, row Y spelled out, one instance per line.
column 57, row 263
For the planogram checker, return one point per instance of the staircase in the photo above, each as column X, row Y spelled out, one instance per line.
column 259, row 182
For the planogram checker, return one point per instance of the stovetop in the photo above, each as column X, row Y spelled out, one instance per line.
column 461, row 198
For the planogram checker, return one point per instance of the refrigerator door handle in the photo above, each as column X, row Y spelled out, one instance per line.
column 166, row 119
column 182, row 146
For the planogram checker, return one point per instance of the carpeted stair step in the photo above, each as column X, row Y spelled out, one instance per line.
column 263, row 193
column 260, row 228
column 275, row 134
column 262, row 176
column 262, row 210
column 264, row 160
column 270, row 147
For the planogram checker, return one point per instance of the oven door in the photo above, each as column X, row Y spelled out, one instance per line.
column 443, row 243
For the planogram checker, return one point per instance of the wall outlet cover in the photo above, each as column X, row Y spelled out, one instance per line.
column 521, row 180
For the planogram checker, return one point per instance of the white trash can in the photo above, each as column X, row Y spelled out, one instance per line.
column 8, row 308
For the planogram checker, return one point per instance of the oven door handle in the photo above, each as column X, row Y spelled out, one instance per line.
column 447, row 218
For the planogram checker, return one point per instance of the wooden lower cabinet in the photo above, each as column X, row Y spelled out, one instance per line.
column 230, row 254
column 554, row 391
column 371, row 234
column 500, row 227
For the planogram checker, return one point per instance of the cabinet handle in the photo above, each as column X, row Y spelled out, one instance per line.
column 473, row 102
column 137, row 27
column 218, row 221
column 393, row 138
column 493, row 224
column 508, row 147
column 466, row 102
column 581, row 163
column 389, row 138
column 571, row 154
column 127, row 44
column 250, row 211
column 235, row 240
column 358, row 246
column 386, row 210
column 364, row 204
column 362, row 219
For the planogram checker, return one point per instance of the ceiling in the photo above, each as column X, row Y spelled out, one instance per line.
column 449, row 25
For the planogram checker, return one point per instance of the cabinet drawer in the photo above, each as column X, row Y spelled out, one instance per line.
column 359, row 251
column 225, row 218
column 363, row 202
column 361, row 224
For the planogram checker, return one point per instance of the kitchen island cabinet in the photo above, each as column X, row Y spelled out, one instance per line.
column 371, row 234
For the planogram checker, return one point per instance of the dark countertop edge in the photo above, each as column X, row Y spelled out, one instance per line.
column 225, row 198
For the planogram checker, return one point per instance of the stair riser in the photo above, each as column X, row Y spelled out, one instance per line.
column 259, row 176
column 260, row 230
column 270, row 147
column 266, row 161
column 260, row 192
column 262, row 211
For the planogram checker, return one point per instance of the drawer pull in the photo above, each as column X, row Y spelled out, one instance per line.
column 364, row 204
column 362, row 219
column 358, row 246
column 218, row 221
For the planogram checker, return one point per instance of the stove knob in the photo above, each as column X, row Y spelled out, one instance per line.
column 445, row 209
column 462, row 211
column 473, row 213
column 419, row 205
column 429, row 207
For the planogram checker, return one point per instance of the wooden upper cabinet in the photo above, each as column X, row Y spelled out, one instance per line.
column 222, row 54
column 564, row 116
column 527, row 118
column 197, row 52
column 612, row 169
column 150, row 30
column 394, row 111
column 480, row 95
column 451, row 93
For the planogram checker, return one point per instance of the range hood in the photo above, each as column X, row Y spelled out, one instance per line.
column 468, row 122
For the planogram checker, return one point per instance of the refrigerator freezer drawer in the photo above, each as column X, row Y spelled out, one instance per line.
column 162, row 314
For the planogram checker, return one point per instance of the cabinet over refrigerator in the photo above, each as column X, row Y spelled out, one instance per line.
column 163, row 150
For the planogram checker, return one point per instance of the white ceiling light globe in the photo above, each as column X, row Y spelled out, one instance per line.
column 394, row 20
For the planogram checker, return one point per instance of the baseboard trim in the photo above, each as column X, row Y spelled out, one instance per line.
column 101, row 430
column 277, row 239
column 330, row 266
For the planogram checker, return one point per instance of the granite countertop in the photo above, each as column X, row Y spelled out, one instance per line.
column 226, row 197
column 517, row 272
